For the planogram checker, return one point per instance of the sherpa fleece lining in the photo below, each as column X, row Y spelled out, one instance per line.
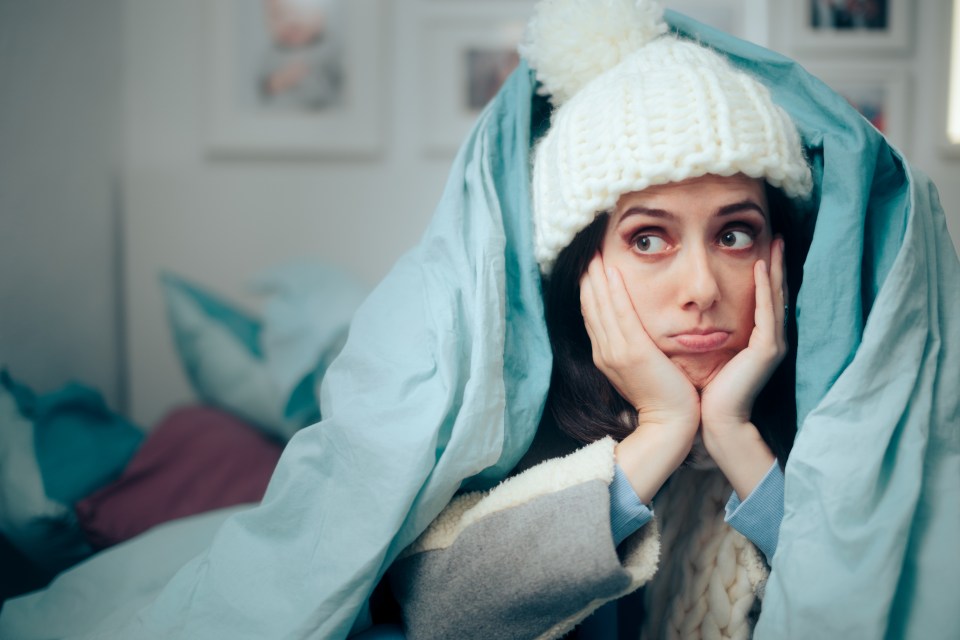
column 752, row 559
column 592, row 462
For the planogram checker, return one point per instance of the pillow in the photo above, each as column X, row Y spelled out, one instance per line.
column 219, row 347
column 308, row 308
column 196, row 459
column 265, row 370
column 55, row 449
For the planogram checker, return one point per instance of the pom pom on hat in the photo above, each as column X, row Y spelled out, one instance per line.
column 637, row 107
column 571, row 43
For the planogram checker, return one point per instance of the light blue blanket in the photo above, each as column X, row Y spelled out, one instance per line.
column 445, row 372
column 869, row 542
column 442, row 378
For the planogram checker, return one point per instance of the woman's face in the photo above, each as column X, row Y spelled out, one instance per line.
column 686, row 251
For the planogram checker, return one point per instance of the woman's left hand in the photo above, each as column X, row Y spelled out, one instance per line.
column 727, row 401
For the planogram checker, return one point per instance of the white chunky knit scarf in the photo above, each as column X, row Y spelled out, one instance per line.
column 710, row 576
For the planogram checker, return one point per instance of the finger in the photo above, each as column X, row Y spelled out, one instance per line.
column 778, row 284
column 764, row 315
column 586, row 301
column 588, row 309
column 623, row 308
column 594, row 330
column 604, row 304
column 782, row 295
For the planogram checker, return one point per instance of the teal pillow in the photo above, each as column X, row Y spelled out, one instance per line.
column 219, row 347
column 307, row 312
column 55, row 449
column 265, row 369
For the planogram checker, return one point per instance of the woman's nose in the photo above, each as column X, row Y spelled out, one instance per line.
column 699, row 287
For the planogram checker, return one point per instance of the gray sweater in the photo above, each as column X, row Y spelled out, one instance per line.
column 535, row 556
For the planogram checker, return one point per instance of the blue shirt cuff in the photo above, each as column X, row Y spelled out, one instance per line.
column 627, row 513
column 759, row 516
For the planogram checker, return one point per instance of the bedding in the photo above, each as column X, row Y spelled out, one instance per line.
column 265, row 368
column 108, row 588
column 55, row 448
column 19, row 575
column 219, row 348
column 442, row 379
column 61, row 448
column 196, row 459
column 399, row 433
column 307, row 310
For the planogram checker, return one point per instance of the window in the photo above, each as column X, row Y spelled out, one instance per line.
column 953, row 100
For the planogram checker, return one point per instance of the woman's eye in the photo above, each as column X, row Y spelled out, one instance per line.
column 736, row 239
column 649, row 244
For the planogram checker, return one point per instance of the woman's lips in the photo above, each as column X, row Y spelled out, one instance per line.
column 700, row 342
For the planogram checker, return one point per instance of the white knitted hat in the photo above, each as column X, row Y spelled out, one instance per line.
column 637, row 107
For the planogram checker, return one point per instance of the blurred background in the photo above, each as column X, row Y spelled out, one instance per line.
column 218, row 138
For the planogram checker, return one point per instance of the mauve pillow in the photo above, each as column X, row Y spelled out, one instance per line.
column 197, row 459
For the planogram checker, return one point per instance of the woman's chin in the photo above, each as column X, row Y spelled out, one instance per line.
column 701, row 368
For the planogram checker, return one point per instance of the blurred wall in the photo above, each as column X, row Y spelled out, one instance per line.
column 60, row 139
column 220, row 220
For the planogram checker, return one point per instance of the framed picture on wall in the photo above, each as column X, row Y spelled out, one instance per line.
column 880, row 93
column 293, row 78
column 837, row 25
column 464, row 60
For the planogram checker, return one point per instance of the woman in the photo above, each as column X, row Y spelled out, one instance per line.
column 444, row 376
column 658, row 194
column 687, row 260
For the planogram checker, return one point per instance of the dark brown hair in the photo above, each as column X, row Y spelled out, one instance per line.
column 587, row 407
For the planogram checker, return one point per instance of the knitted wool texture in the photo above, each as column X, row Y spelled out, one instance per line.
column 667, row 111
column 710, row 575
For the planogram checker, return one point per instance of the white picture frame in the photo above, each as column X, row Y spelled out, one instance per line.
column 821, row 26
column 464, row 59
column 880, row 92
column 745, row 19
column 950, row 115
column 274, row 88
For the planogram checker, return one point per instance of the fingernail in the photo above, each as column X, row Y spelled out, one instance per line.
column 610, row 273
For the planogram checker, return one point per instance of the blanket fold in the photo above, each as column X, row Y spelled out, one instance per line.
column 442, row 380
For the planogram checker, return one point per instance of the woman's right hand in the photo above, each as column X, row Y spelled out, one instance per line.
column 667, row 403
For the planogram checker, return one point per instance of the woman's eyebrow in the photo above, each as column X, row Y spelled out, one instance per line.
column 725, row 210
column 646, row 211
column 738, row 207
